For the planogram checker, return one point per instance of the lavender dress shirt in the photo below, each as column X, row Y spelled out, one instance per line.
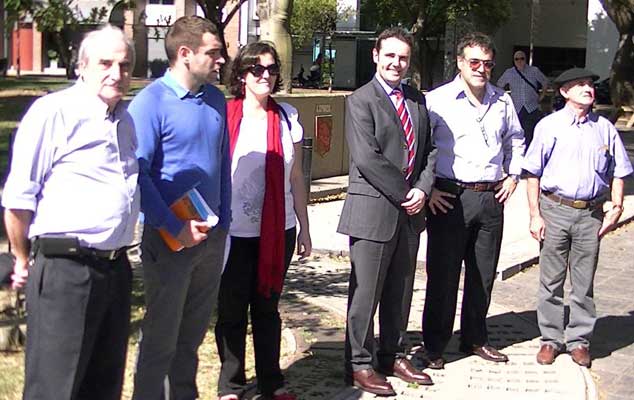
column 475, row 144
column 74, row 166
column 576, row 159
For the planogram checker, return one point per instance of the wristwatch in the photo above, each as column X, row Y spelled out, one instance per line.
column 515, row 177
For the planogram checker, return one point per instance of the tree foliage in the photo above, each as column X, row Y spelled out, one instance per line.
column 313, row 16
column 621, row 75
column 427, row 20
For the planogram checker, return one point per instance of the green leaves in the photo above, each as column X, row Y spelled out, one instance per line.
column 310, row 16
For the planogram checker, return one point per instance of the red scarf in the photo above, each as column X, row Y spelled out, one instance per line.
column 271, row 257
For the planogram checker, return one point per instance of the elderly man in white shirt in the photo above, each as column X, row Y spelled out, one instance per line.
column 71, row 203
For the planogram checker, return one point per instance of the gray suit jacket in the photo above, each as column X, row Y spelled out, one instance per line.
column 378, row 151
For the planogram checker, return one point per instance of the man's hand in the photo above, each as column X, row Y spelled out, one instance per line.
column 415, row 201
column 193, row 233
column 610, row 219
column 438, row 202
column 538, row 228
column 20, row 273
column 507, row 189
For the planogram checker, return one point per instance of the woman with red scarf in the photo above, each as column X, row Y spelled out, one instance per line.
column 268, row 197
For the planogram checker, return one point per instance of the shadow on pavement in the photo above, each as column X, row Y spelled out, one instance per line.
column 612, row 333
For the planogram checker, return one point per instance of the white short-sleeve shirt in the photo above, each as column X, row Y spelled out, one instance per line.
column 247, row 171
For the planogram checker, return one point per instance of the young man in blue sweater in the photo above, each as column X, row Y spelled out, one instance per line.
column 183, row 144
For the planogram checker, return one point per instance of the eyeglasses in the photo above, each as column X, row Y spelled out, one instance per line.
column 520, row 58
column 258, row 70
column 475, row 63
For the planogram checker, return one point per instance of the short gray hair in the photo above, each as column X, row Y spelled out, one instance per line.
column 89, row 43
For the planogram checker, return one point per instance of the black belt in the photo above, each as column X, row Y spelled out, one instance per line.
column 456, row 187
column 63, row 246
column 578, row 204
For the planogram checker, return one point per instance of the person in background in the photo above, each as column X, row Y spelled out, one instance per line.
column 576, row 162
column 528, row 87
column 480, row 145
column 183, row 144
column 268, row 196
column 71, row 203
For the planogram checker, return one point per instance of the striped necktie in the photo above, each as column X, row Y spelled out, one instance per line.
column 406, row 121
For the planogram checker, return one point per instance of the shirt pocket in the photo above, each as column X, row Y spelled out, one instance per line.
column 602, row 159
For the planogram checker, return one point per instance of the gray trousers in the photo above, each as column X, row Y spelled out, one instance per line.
column 382, row 276
column 180, row 293
column 571, row 242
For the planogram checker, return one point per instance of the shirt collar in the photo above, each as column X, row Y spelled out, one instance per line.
column 572, row 119
column 92, row 104
column 458, row 87
column 388, row 89
column 169, row 80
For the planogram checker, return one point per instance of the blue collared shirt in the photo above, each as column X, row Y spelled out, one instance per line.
column 74, row 166
column 475, row 144
column 183, row 144
column 576, row 158
column 522, row 94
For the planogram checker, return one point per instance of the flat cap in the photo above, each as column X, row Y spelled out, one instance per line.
column 575, row 73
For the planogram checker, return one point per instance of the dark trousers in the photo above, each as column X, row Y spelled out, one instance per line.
column 180, row 292
column 471, row 231
column 382, row 277
column 78, row 323
column 528, row 122
column 239, row 295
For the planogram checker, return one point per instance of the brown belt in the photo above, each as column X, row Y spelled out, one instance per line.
column 448, row 185
column 578, row 204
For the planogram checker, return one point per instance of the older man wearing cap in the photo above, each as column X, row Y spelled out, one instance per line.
column 574, row 157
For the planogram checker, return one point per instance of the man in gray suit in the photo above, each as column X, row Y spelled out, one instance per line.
column 391, row 175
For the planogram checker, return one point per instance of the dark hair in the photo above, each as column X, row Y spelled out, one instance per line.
column 249, row 55
column 187, row 31
column 475, row 39
column 395, row 32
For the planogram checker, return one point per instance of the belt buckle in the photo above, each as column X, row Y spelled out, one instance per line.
column 111, row 255
column 579, row 204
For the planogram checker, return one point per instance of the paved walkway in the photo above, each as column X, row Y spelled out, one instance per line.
column 511, row 320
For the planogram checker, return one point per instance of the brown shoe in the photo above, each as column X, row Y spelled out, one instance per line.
column 581, row 355
column 547, row 354
column 434, row 361
column 370, row 381
column 405, row 371
column 486, row 352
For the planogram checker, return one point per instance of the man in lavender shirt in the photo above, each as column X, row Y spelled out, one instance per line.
column 72, row 202
column 574, row 158
column 480, row 144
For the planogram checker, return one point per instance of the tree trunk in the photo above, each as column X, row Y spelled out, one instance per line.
column 621, row 76
column 274, row 26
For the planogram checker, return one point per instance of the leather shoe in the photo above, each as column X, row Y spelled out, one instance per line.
column 581, row 355
column 547, row 354
column 486, row 352
column 434, row 361
column 370, row 381
column 405, row 371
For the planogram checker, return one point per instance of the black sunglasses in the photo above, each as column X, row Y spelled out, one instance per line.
column 519, row 58
column 258, row 70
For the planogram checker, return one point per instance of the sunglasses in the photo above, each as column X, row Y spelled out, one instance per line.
column 258, row 70
column 475, row 63
column 520, row 58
